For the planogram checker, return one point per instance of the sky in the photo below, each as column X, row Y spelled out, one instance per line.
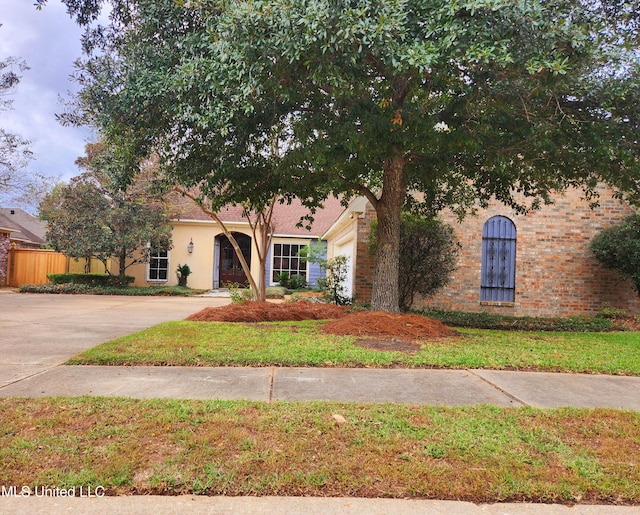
column 49, row 42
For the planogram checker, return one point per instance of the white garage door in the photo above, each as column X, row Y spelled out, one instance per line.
column 346, row 249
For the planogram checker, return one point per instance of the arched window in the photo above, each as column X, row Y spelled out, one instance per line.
column 498, row 282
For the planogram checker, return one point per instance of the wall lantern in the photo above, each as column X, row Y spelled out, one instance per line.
column 190, row 246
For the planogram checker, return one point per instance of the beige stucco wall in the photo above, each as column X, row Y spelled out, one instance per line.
column 201, row 260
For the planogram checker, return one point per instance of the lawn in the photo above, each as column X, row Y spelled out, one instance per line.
column 303, row 344
column 480, row 453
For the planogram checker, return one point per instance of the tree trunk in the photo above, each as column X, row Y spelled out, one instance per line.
column 385, row 295
column 122, row 264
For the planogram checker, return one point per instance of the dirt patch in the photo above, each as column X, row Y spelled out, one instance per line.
column 269, row 312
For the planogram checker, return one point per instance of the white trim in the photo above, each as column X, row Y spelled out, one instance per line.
column 355, row 208
column 155, row 281
column 270, row 281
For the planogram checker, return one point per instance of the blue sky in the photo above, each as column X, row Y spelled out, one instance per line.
column 49, row 41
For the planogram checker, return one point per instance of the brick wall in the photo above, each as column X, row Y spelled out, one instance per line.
column 363, row 280
column 555, row 275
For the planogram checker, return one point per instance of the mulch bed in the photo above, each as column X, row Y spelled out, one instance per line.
column 379, row 330
column 269, row 312
column 383, row 324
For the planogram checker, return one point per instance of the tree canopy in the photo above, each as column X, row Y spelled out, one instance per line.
column 460, row 100
column 91, row 217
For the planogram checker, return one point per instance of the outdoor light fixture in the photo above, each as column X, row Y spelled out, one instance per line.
column 190, row 246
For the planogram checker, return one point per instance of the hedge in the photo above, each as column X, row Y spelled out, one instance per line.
column 90, row 279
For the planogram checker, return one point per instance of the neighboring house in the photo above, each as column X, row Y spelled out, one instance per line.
column 18, row 228
column 27, row 231
column 527, row 265
column 199, row 242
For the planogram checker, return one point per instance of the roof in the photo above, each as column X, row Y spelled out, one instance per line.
column 285, row 216
column 24, row 227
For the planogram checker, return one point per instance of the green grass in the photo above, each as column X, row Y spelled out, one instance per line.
column 480, row 454
column 303, row 344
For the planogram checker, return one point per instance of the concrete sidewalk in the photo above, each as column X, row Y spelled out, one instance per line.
column 201, row 505
column 411, row 386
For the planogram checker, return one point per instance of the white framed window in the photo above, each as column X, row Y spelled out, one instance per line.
column 286, row 259
column 158, row 266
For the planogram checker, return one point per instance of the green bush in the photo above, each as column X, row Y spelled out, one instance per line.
column 172, row 291
column 618, row 248
column 91, row 279
column 297, row 282
column 56, row 288
column 495, row 321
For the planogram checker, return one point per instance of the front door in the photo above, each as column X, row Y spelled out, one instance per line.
column 230, row 267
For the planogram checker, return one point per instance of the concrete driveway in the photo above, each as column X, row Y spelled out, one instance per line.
column 39, row 332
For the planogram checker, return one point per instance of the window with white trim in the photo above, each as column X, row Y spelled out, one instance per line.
column 287, row 260
column 158, row 266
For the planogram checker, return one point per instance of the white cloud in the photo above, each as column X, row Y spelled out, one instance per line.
column 49, row 41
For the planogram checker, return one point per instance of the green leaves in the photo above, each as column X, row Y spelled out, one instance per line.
column 618, row 248
column 91, row 217
column 250, row 98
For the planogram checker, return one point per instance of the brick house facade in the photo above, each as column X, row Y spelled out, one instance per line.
column 553, row 273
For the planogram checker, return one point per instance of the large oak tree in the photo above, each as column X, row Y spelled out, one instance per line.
column 459, row 100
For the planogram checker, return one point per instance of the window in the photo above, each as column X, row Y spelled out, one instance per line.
column 158, row 266
column 286, row 259
column 498, row 260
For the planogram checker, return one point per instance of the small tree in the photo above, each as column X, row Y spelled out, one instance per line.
column 428, row 257
column 618, row 248
column 89, row 217
column 333, row 284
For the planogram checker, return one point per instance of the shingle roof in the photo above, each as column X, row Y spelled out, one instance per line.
column 285, row 216
column 26, row 227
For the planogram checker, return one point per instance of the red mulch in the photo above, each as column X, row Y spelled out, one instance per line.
column 269, row 312
column 361, row 323
column 381, row 323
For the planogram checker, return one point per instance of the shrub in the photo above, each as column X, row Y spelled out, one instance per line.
column 239, row 295
column 297, row 282
column 427, row 258
column 91, row 279
column 56, row 288
column 494, row 321
column 618, row 248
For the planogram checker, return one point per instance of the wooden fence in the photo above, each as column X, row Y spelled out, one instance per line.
column 31, row 266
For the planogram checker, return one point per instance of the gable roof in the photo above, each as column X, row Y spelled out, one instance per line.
column 24, row 227
column 285, row 216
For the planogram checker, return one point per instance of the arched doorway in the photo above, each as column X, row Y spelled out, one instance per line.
column 229, row 267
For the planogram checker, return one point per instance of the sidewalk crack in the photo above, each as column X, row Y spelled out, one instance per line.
column 501, row 390
column 272, row 377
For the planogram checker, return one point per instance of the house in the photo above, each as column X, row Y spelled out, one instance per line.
column 25, row 230
column 18, row 229
column 525, row 265
column 199, row 242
